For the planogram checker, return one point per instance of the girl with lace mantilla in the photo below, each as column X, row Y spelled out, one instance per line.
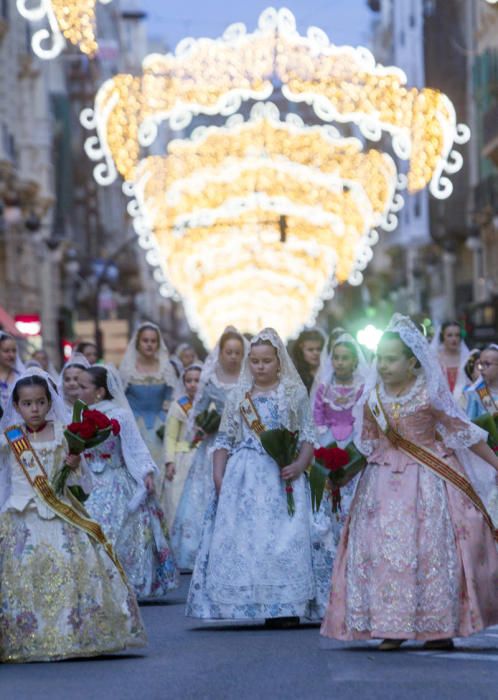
column 339, row 386
column 67, row 384
column 219, row 375
column 178, row 450
column 122, row 498
column 255, row 558
column 149, row 379
column 452, row 353
column 11, row 366
column 417, row 557
column 61, row 593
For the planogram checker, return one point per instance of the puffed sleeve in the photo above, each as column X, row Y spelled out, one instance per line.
column 307, row 432
column 319, row 407
column 227, row 434
column 172, row 433
column 458, row 431
column 368, row 438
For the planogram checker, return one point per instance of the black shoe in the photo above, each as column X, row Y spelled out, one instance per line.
column 281, row 622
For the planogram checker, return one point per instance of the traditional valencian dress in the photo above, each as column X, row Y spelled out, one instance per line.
column 148, row 395
column 333, row 405
column 254, row 559
column 199, row 487
column 61, row 593
column 131, row 519
column 178, row 450
column 417, row 557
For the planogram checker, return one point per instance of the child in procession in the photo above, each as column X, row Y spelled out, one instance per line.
column 417, row 558
column 62, row 591
column 219, row 376
column 178, row 449
column 339, row 386
column 67, row 385
column 254, row 559
column 122, row 497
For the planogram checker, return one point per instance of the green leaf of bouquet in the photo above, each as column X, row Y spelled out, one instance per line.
column 490, row 424
column 101, row 437
column 78, row 408
column 75, row 443
column 317, row 476
column 78, row 493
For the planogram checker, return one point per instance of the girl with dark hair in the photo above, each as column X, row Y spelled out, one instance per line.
column 62, row 590
column 89, row 351
column 219, row 375
column 149, row 379
column 10, row 365
column 122, row 497
column 417, row 559
column 306, row 355
column 67, row 384
column 453, row 354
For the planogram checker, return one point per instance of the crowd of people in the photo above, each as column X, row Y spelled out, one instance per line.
column 173, row 475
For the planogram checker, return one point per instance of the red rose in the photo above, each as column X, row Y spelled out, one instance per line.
column 97, row 417
column 87, row 430
column 332, row 458
column 74, row 428
column 115, row 427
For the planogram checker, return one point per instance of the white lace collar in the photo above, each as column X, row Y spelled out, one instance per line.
column 404, row 398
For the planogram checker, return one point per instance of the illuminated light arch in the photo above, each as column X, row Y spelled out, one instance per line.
column 212, row 76
column 68, row 20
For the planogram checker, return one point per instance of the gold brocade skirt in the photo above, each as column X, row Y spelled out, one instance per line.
column 60, row 594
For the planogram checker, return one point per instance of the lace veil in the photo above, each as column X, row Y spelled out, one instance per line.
column 293, row 403
column 325, row 374
column 437, row 345
column 57, row 409
column 136, row 454
column 19, row 366
column 480, row 472
column 78, row 359
column 128, row 365
column 209, row 373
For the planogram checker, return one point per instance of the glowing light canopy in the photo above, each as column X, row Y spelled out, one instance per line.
column 68, row 20
column 256, row 221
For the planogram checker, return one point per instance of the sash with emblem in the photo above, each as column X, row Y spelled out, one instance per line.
column 34, row 471
column 428, row 459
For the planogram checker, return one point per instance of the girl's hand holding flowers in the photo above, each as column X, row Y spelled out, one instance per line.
column 72, row 461
column 292, row 471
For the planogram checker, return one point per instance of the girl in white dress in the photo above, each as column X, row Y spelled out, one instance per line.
column 67, row 384
column 254, row 559
column 62, row 590
column 122, row 498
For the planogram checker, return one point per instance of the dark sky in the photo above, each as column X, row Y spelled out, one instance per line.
column 345, row 21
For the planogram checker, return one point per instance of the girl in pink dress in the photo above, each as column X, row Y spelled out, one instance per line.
column 417, row 557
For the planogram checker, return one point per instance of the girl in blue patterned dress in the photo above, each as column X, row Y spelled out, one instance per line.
column 219, row 376
column 254, row 559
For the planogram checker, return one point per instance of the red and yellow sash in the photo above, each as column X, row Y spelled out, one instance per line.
column 36, row 475
column 487, row 400
column 251, row 416
column 428, row 458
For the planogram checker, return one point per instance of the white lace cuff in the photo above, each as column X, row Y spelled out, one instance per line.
column 466, row 437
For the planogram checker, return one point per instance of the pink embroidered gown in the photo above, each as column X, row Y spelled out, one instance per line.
column 416, row 559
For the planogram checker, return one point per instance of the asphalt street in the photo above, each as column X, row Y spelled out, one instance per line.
column 189, row 660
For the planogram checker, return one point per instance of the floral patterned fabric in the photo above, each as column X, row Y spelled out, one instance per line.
column 416, row 559
column 140, row 535
column 254, row 560
column 60, row 594
column 199, row 487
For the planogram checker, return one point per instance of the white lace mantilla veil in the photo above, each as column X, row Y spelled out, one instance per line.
column 436, row 347
column 77, row 358
column 209, row 372
column 19, row 367
column 478, row 470
column 180, row 386
column 293, row 403
column 136, row 454
column 128, row 365
column 58, row 413
column 326, row 371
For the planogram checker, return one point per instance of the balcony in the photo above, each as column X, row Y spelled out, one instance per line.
column 490, row 133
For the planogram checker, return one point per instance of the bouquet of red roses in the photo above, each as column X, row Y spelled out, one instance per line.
column 281, row 445
column 333, row 468
column 89, row 428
